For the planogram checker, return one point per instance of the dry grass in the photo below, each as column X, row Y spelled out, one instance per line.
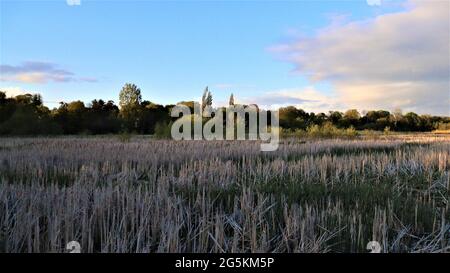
column 442, row 132
column 195, row 196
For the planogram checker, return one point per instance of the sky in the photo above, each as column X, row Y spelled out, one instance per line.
column 316, row 55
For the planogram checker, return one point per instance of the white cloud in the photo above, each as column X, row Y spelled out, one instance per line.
column 309, row 99
column 374, row 2
column 394, row 60
column 38, row 72
column 73, row 2
column 13, row 91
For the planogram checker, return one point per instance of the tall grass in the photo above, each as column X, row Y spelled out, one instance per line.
column 316, row 195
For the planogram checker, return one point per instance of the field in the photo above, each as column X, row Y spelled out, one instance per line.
column 144, row 195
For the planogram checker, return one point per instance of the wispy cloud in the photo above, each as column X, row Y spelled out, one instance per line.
column 309, row 99
column 397, row 60
column 39, row 72
column 373, row 2
column 73, row 2
column 88, row 79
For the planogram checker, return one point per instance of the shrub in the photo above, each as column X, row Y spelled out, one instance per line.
column 124, row 137
column 328, row 130
column 163, row 130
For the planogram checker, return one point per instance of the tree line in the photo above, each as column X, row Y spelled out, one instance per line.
column 27, row 115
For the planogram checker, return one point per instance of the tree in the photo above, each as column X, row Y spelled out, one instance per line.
column 351, row 118
column 76, row 107
column 377, row 120
column 319, row 119
column 103, row 117
column 25, row 115
column 71, row 117
column 335, row 117
column 130, row 101
column 352, row 114
column 293, row 118
column 206, row 98
column 2, row 97
column 36, row 100
column 231, row 100
column 130, row 96
column 24, row 99
column 151, row 115
column 413, row 121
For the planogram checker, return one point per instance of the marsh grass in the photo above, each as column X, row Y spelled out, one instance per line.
column 141, row 195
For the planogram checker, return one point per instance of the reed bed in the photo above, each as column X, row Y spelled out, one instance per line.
column 147, row 195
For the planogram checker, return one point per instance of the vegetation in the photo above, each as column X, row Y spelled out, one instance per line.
column 337, row 181
column 442, row 128
column 326, row 130
column 26, row 115
column 162, row 130
column 224, row 196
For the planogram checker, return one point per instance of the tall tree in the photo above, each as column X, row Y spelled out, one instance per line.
column 130, row 96
column 351, row 117
column 231, row 100
column 130, row 101
column 2, row 97
column 206, row 98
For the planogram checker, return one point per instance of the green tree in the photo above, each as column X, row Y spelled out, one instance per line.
column 76, row 107
column 412, row 121
column 130, row 96
column 130, row 102
column 351, row 118
column 103, row 117
column 71, row 117
column 25, row 115
column 335, row 117
column 293, row 118
column 151, row 115
column 352, row 114
column 206, row 98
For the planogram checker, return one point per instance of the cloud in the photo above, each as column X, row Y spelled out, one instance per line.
column 13, row 91
column 88, row 79
column 309, row 99
column 38, row 72
column 393, row 60
column 374, row 2
column 73, row 2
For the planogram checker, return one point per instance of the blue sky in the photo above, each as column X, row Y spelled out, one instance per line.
column 171, row 50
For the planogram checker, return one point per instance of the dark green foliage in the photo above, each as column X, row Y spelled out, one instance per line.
column 26, row 115
column 103, row 117
column 162, row 130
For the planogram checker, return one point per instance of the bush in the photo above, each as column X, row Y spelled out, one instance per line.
column 328, row 130
column 443, row 126
column 163, row 130
column 124, row 137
